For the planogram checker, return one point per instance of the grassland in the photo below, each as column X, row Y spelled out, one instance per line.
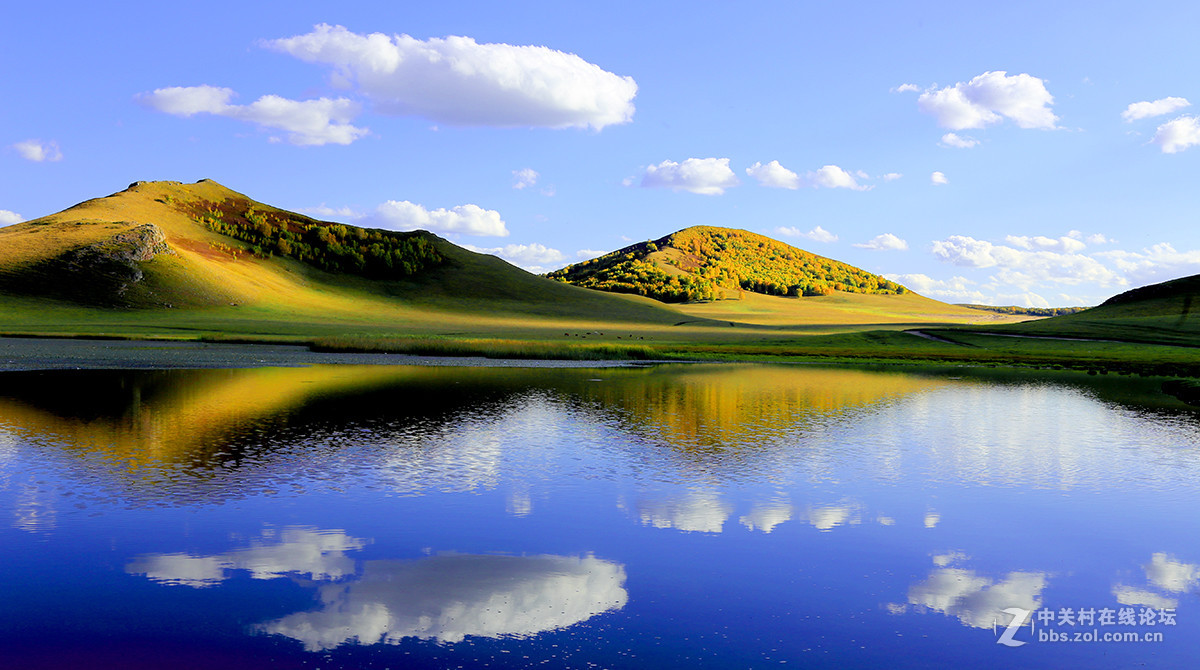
column 208, row 286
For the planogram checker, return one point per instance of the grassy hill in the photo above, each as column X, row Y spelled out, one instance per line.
column 167, row 244
column 1165, row 313
column 706, row 263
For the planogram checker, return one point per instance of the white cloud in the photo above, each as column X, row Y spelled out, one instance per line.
column 1177, row 135
column 891, row 176
column 307, row 122
column 1067, row 244
column 990, row 98
column 38, row 151
column 884, row 242
column 706, row 176
column 1024, row 268
column 8, row 218
column 533, row 257
column 585, row 254
column 955, row 289
column 774, row 175
column 1154, row 264
column 524, row 178
column 466, row 219
column 938, row 179
column 817, row 234
column 1098, row 238
column 906, row 88
column 447, row 598
column 832, row 176
column 958, row 142
column 1146, row 110
column 457, row 81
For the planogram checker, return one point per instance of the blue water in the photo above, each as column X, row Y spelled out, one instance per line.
column 676, row 516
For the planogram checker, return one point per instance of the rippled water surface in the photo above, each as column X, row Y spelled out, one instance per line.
column 672, row 516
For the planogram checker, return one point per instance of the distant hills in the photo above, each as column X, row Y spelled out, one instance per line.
column 707, row 263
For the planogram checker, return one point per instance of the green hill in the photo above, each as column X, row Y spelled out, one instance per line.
column 706, row 263
column 1165, row 313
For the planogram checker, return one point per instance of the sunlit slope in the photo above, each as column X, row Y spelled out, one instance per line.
column 706, row 262
column 841, row 311
column 156, row 246
column 1166, row 313
column 738, row 276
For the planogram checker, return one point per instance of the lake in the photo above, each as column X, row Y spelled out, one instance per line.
column 688, row 515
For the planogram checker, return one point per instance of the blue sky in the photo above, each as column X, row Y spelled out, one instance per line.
column 995, row 153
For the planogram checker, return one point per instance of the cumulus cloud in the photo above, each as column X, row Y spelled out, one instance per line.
column 524, row 178
column 457, row 81
column 1160, row 107
column 891, row 176
column 1024, row 267
column 958, row 141
column 774, row 175
column 1065, row 244
column 938, row 179
column 533, row 257
column 8, row 218
column 990, row 98
column 449, row 597
column 1157, row 263
column 954, row 289
column 1168, row 573
column 906, row 88
column 830, row 176
column 465, row 219
column 1177, row 135
column 306, row 122
column 884, row 242
column 706, row 176
column 817, row 234
column 585, row 254
column 38, row 151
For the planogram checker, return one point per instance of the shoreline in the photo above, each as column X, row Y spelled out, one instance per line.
column 68, row 353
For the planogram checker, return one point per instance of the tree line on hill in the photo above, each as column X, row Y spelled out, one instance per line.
column 704, row 260
column 333, row 247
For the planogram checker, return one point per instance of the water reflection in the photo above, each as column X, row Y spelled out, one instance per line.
column 1164, row 573
column 828, row 517
column 694, row 511
column 765, row 516
column 301, row 550
column 449, row 597
column 974, row 599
